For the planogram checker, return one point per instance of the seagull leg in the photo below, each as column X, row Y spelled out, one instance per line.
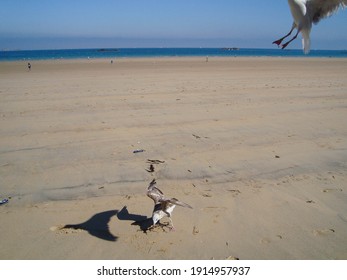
column 152, row 227
column 279, row 41
column 172, row 228
column 157, row 225
column 286, row 44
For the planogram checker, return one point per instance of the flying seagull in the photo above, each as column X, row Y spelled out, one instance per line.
column 163, row 206
column 306, row 12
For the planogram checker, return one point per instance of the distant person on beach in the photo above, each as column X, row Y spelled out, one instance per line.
column 29, row 66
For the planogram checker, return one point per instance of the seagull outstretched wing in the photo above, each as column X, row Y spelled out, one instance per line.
column 158, row 197
column 154, row 193
column 179, row 203
column 320, row 9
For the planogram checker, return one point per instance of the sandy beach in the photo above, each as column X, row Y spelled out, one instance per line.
column 257, row 146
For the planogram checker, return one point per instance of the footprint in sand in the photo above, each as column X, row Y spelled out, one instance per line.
column 265, row 241
column 195, row 230
column 332, row 190
column 215, row 220
column 234, row 192
column 323, row 232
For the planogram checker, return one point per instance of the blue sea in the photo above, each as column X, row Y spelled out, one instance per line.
column 161, row 52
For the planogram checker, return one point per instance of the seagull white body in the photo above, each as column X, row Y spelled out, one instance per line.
column 158, row 214
column 306, row 12
column 163, row 206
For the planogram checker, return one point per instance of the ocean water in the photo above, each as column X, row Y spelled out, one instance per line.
column 160, row 52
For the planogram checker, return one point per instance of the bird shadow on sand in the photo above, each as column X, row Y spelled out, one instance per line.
column 138, row 220
column 97, row 225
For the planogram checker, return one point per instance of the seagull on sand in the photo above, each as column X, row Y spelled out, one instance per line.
column 163, row 206
column 306, row 12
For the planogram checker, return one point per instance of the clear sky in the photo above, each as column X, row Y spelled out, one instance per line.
column 54, row 24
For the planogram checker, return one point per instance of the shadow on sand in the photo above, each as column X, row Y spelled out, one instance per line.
column 138, row 220
column 98, row 224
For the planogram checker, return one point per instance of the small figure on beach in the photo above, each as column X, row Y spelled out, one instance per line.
column 206, row 58
column 163, row 206
column 29, row 66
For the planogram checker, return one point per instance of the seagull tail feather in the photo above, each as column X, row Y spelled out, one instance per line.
column 306, row 42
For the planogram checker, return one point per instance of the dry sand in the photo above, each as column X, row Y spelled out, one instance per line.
column 258, row 146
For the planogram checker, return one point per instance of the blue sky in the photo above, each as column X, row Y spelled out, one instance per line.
column 54, row 24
